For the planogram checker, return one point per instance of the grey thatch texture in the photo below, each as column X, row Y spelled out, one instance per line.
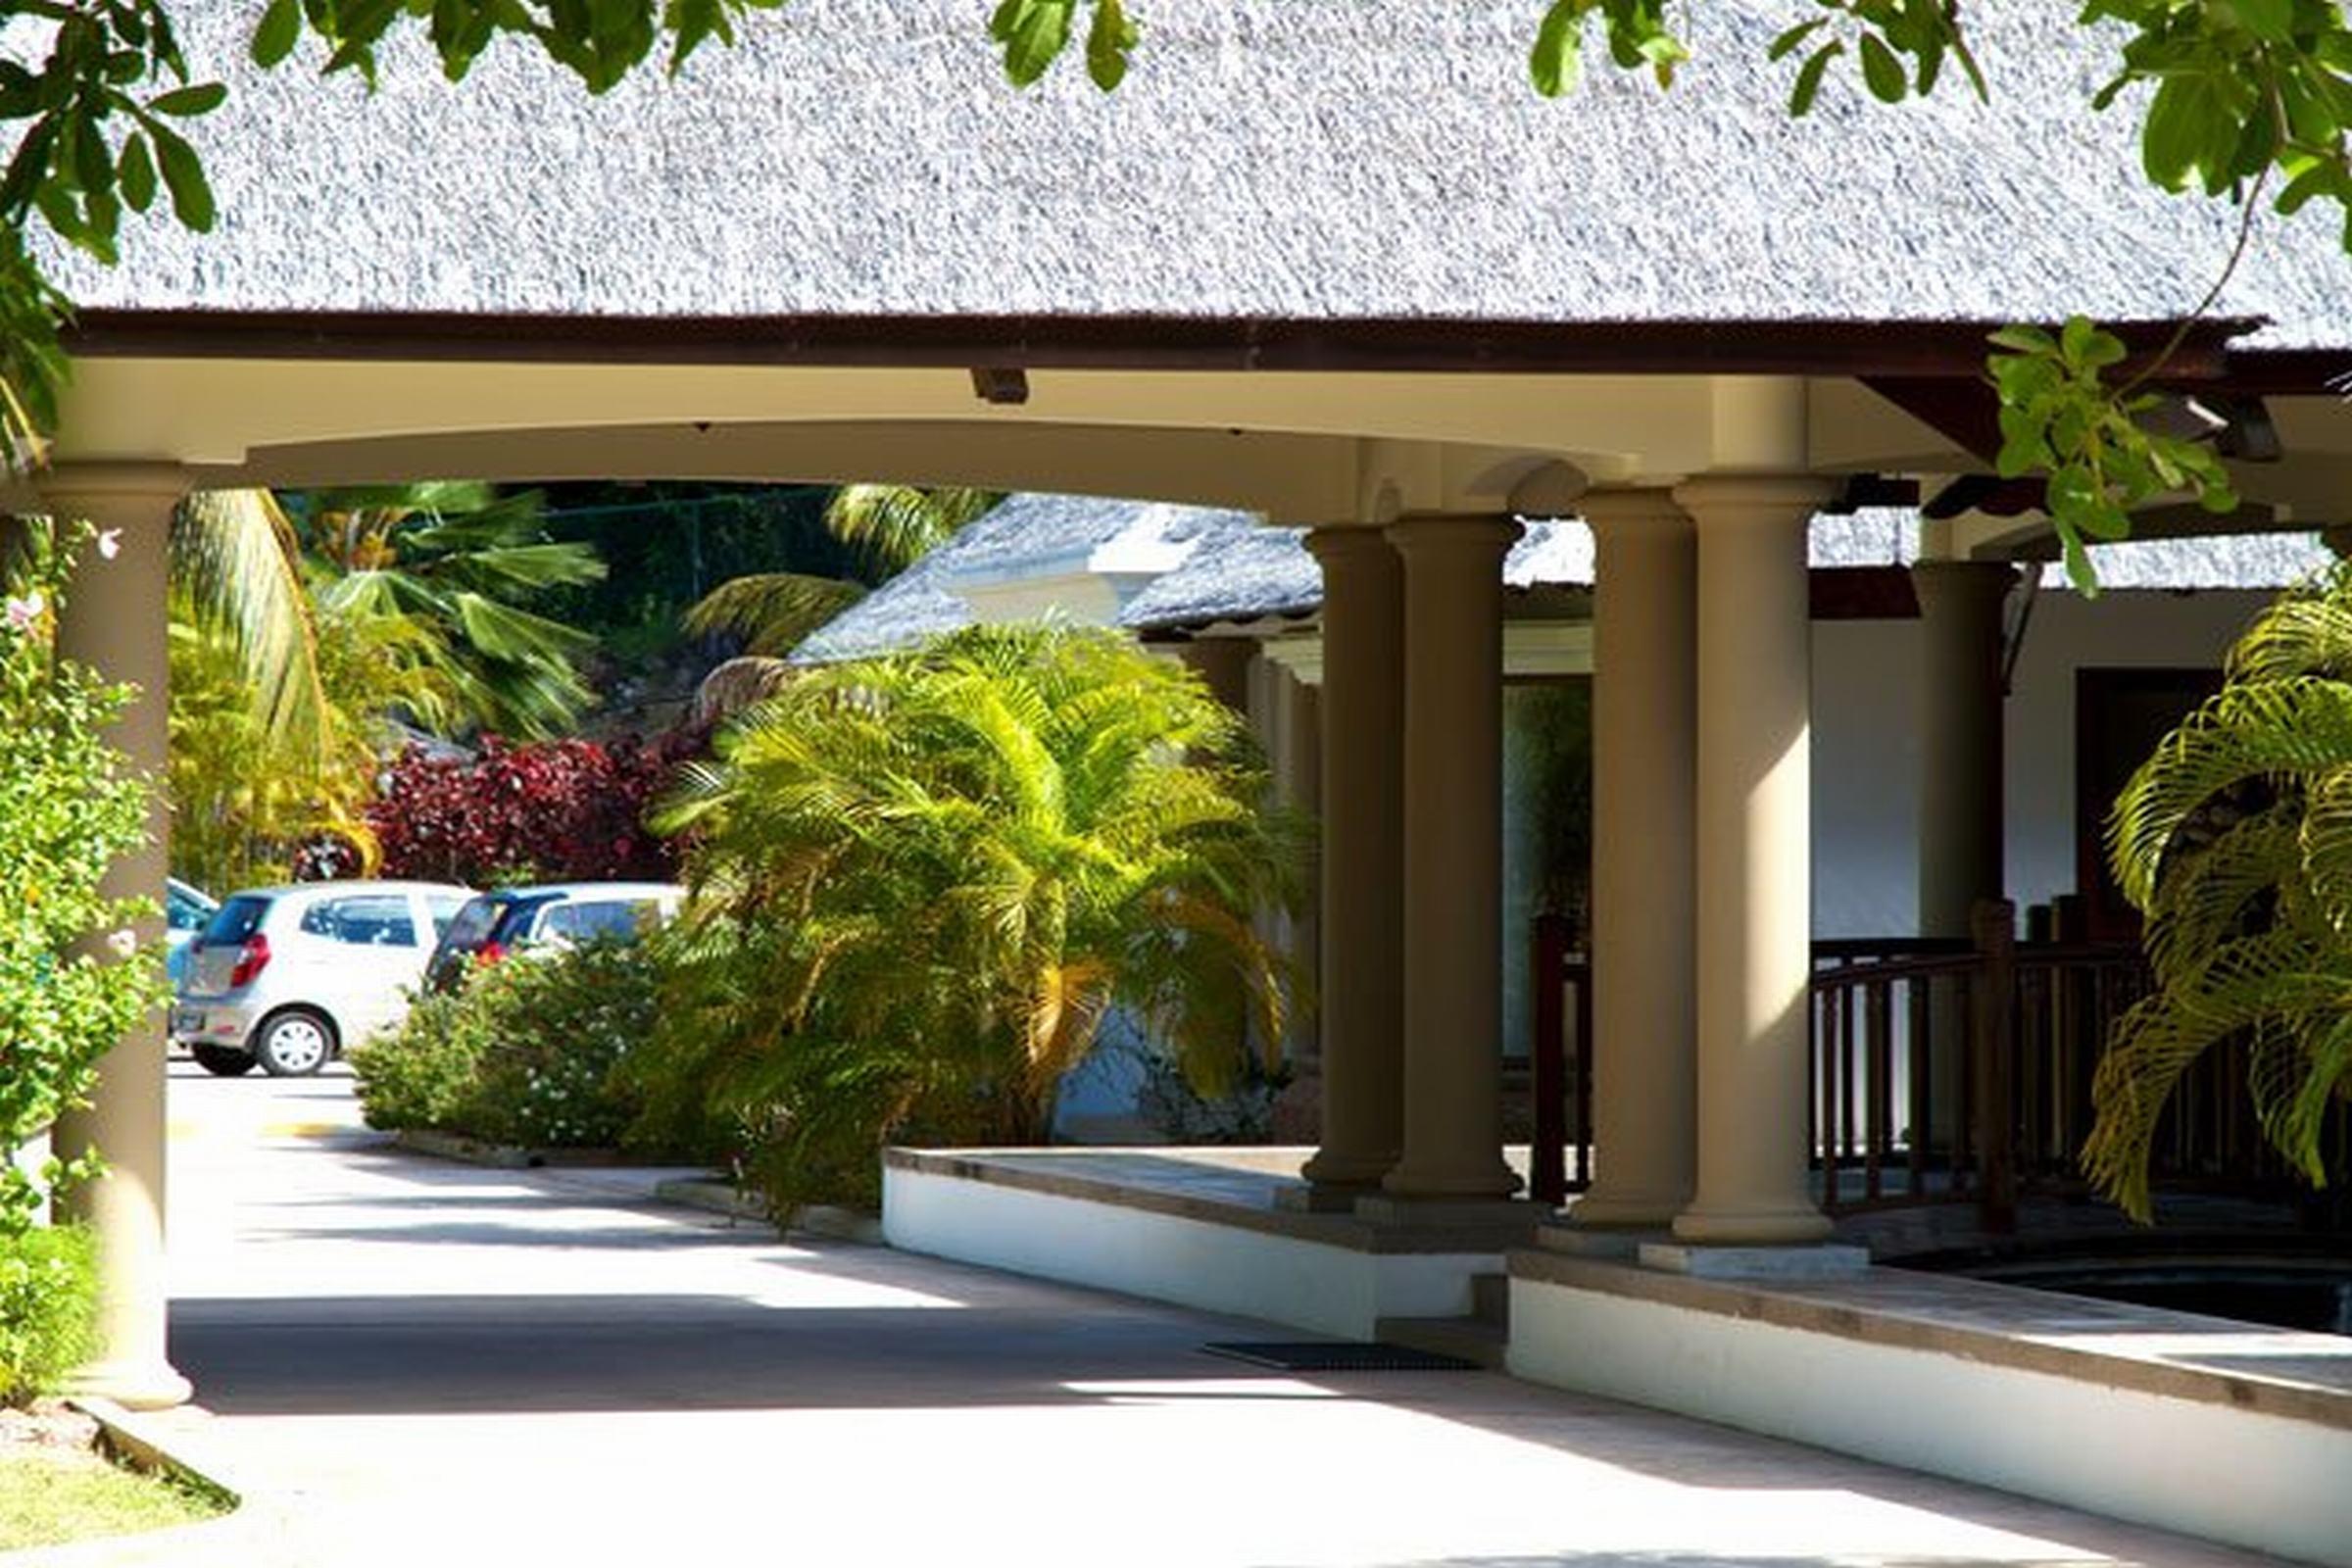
column 1307, row 159
column 2258, row 561
column 1245, row 576
column 1238, row 572
column 1027, row 535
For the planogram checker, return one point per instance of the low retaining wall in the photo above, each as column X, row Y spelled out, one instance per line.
column 1327, row 1274
column 2215, row 1429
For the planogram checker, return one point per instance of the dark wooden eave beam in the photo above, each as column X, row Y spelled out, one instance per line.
column 1908, row 351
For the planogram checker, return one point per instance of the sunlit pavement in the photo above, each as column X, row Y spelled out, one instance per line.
column 410, row 1362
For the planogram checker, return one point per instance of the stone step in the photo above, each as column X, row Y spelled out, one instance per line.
column 1479, row 1342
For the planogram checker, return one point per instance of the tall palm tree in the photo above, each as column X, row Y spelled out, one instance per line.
column 2234, row 840
column 891, row 525
column 896, row 525
column 464, row 558
column 452, row 556
column 925, row 879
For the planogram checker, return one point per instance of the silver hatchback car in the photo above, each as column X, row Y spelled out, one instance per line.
column 287, row 977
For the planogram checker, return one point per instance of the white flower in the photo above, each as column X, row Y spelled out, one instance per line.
column 124, row 942
column 110, row 543
column 23, row 613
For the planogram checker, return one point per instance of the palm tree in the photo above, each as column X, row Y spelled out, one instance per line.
column 923, row 881
column 2234, row 840
column 298, row 637
column 891, row 526
column 246, row 799
column 452, row 556
column 463, row 558
column 896, row 525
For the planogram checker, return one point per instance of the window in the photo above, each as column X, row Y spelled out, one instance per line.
column 184, row 912
column 444, row 908
column 365, row 920
column 238, row 919
column 607, row 921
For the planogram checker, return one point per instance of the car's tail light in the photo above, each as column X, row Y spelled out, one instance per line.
column 489, row 952
column 252, row 958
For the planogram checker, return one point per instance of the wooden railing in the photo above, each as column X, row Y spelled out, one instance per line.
column 1941, row 1071
column 1561, row 1065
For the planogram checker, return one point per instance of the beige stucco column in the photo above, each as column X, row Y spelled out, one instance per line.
column 1961, row 605
column 114, row 620
column 1362, row 932
column 1453, row 858
column 1644, row 1016
column 1754, row 860
column 1223, row 665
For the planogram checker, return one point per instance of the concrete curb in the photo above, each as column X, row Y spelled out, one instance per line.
column 499, row 1157
column 812, row 1219
column 712, row 1195
column 136, row 1440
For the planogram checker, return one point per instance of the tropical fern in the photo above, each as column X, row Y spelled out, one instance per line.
column 923, row 881
column 2234, row 840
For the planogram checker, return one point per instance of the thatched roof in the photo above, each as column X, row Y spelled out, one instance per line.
column 1311, row 160
column 1227, row 568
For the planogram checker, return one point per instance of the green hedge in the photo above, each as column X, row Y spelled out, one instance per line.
column 48, row 1309
column 526, row 1053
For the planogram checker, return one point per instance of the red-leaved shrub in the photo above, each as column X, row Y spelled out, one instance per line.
column 545, row 812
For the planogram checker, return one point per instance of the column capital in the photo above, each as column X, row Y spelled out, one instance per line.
column 80, row 483
column 1651, row 510
column 1718, row 498
column 1343, row 543
column 1427, row 532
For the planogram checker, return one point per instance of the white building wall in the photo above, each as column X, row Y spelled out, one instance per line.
column 1865, row 778
column 2119, row 630
column 1867, row 709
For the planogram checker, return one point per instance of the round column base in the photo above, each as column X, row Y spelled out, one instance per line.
column 1604, row 1207
column 1336, row 1167
column 1792, row 1225
column 1411, row 1181
column 134, row 1385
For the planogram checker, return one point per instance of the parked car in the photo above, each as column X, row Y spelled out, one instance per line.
column 513, row 920
column 287, row 977
column 187, row 909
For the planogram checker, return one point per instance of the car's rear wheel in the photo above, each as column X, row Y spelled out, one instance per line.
column 294, row 1044
column 224, row 1061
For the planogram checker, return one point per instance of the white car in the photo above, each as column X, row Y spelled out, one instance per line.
column 287, row 977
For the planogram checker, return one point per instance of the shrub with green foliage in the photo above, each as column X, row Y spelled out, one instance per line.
column 74, row 977
column 48, row 1309
column 525, row 1054
column 922, row 881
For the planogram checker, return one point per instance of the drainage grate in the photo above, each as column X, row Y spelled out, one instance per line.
column 1337, row 1355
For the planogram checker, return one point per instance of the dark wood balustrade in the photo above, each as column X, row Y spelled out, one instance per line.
column 1943, row 1071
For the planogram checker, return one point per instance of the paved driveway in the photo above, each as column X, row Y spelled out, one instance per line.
column 416, row 1362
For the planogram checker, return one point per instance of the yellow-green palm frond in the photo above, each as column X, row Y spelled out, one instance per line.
column 2243, row 734
column 2305, row 633
column 992, row 843
column 772, row 613
column 896, row 525
column 238, row 564
column 2234, row 839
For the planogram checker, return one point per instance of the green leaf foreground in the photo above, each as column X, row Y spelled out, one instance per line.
column 2235, row 92
column 2234, row 840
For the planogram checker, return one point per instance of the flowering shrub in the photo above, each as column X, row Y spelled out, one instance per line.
column 74, row 977
column 547, row 812
column 528, row 1052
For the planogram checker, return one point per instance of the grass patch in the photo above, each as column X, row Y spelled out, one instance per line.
column 51, row 1495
